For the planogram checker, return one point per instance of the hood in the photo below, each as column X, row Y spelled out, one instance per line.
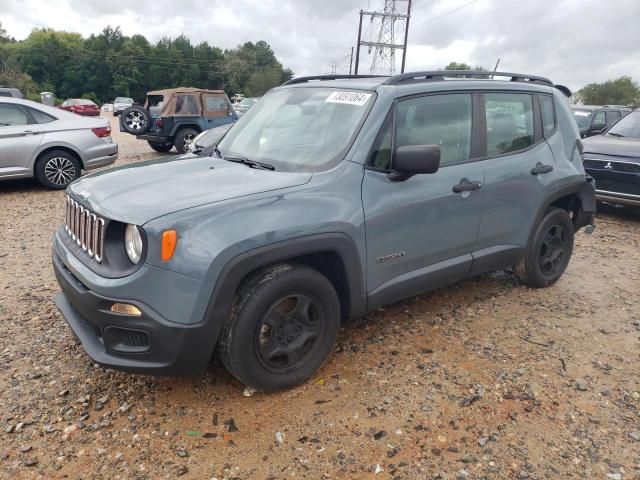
column 617, row 147
column 143, row 191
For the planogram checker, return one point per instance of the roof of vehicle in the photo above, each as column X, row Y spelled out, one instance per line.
column 449, row 78
column 171, row 91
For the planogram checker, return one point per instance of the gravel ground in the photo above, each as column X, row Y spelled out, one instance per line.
column 484, row 379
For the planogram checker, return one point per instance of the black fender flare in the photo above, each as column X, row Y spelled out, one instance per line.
column 584, row 190
column 177, row 126
column 241, row 265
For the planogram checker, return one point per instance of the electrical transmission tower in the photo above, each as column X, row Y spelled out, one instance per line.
column 384, row 56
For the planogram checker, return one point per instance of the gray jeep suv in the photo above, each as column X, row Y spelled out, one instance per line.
column 330, row 197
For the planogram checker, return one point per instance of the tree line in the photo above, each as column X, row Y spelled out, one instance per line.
column 110, row 64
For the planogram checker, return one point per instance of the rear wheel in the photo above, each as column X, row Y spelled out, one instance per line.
column 282, row 325
column 183, row 139
column 57, row 169
column 549, row 252
column 161, row 147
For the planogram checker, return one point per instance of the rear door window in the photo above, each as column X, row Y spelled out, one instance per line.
column 509, row 122
column 12, row 115
column 612, row 117
column 186, row 104
column 215, row 105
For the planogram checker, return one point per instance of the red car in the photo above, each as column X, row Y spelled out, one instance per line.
column 81, row 106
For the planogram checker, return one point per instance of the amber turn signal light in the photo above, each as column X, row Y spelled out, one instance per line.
column 169, row 239
column 126, row 309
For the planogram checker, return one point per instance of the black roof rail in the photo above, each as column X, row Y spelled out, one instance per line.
column 294, row 81
column 441, row 74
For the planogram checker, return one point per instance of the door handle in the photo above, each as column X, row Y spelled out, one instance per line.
column 540, row 169
column 466, row 186
column 30, row 132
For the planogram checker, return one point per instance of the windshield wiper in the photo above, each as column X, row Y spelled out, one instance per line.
column 614, row 134
column 250, row 163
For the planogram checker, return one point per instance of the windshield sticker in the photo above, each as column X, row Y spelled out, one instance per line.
column 582, row 114
column 349, row 98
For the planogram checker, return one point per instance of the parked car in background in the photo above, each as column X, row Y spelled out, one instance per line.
column 613, row 159
column 331, row 198
column 120, row 104
column 205, row 143
column 51, row 144
column 593, row 120
column 107, row 107
column 10, row 92
column 245, row 105
column 174, row 117
column 81, row 106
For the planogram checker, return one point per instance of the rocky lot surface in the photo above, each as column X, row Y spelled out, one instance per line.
column 484, row 379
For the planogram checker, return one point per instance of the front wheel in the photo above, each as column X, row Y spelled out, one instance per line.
column 281, row 327
column 549, row 252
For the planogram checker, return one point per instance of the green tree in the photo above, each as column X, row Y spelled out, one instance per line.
column 463, row 66
column 621, row 91
column 111, row 64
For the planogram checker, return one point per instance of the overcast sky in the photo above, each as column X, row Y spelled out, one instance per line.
column 573, row 42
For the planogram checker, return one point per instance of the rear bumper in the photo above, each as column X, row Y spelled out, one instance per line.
column 155, row 138
column 147, row 344
column 101, row 161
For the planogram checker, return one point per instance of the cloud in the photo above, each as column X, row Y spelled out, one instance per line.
column 571, row 41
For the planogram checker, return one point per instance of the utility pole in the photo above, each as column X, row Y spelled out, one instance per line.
column 384, row 57
column 406, row 36
column 359, row 42
column 351, row 61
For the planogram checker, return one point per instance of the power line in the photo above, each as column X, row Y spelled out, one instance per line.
column 448, row 13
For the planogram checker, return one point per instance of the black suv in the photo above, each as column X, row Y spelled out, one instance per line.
column 593, row 120
column 174, row 117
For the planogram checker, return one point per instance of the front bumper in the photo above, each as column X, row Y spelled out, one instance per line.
column 146, row 344
column 617, row 179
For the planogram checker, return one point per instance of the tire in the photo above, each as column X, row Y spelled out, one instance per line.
column 183, row 139
column 56, row 169
column 160, row 147
column 135, row 120
column 549, row 251
column 281, row 327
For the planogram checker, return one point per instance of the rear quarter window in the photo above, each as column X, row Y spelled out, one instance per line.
column 548, row 115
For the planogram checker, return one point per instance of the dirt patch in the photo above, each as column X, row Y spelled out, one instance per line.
column 484, row 379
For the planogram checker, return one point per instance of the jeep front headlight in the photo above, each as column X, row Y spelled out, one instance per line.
column 133, row 243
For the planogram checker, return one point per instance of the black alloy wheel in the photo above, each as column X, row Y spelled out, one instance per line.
column 289, row 332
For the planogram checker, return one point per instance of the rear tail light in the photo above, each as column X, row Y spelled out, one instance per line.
column 159, row 123
column 102, row 131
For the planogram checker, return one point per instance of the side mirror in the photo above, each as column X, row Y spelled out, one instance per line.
column 410, row 160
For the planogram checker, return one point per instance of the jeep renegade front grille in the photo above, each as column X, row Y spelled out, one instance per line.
column 85, row 228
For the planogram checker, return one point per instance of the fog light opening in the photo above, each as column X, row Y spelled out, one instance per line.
column 126, row 309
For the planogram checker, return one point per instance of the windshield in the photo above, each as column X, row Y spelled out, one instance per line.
column 299, row 129
column 82, row 101
column 583, row 117
column 627, row 127
column 123, row 100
